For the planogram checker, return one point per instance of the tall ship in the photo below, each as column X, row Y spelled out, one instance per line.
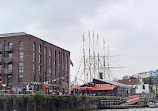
column 95, row 60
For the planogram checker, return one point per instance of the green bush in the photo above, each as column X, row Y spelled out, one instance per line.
column 39, row 97
column 2, row 97
column 28, row 98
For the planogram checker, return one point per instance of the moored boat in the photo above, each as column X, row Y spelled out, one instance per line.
column 152, row 104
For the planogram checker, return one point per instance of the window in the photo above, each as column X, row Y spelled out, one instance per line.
column 40, row 49
column 21, row 45
column 33, row 57
column 34, row 46
column 45, row 78
column 10, row 45
column 54, row 63
column 34, row 77
column 40, row 59
column 21, row 67
column 0, row 47
column 59, row 55
column 45, row 60
column 50, row 70
column 21, row 79
column 34, row 53
column 67, row 65
column 34, row 68
column 0, row 69
column 39, row 69
column 10, row 66
column 50, row 53
column 143, row 86
column 63, row 62
column 55, row 72
column 55, row 54
column 9, row 79
column 21, row 56
column 10, row 55
column 58, row 64
column 50, row 61
column 0, row 57
column 40, row 79
column 45, row 50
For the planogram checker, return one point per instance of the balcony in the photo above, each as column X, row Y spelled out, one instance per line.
column 8, row 60
column 8, row 71
column 9, row 48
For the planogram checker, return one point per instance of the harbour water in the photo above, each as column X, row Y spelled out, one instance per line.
column 133, row 109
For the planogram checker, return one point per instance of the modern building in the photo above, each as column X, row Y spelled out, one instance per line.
column 25, row 59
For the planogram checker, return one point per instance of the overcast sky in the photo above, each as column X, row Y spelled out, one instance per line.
column 129, row 27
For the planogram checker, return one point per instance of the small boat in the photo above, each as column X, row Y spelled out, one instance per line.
column 152, row 104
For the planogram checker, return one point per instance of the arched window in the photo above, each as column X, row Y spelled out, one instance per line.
column 10, row 45
column 34, row 46
column 21, row 45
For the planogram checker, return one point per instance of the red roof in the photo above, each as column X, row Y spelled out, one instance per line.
column 102, row 88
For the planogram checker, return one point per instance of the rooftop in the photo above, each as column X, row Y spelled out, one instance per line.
column 13, row 34
column 113, row 83
column 130, row 81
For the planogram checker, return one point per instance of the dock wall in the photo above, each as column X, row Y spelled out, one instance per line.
column 40, row 102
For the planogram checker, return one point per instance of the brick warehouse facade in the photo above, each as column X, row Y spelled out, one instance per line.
column 25, row 58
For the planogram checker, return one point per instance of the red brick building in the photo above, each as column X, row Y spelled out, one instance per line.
column 25, row 58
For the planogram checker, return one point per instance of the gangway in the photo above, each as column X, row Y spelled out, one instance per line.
column 136, row 101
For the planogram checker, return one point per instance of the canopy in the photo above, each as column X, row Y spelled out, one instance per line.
column 86, row 87
column 73, row 88
column 102, row 88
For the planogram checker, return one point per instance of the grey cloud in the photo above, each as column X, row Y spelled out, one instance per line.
column 129, row 26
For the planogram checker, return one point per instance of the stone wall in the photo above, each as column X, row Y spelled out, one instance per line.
column 40, row 102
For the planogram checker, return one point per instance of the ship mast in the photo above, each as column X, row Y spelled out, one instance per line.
column 84, row 70
column 104, row 59
column 98, row 54
column 94, row 53
column 108, row 68
column 89, row 57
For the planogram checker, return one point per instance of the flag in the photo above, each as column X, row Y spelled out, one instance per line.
column 71, row 63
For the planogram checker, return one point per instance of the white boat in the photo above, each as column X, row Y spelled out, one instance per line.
column 152, row 104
